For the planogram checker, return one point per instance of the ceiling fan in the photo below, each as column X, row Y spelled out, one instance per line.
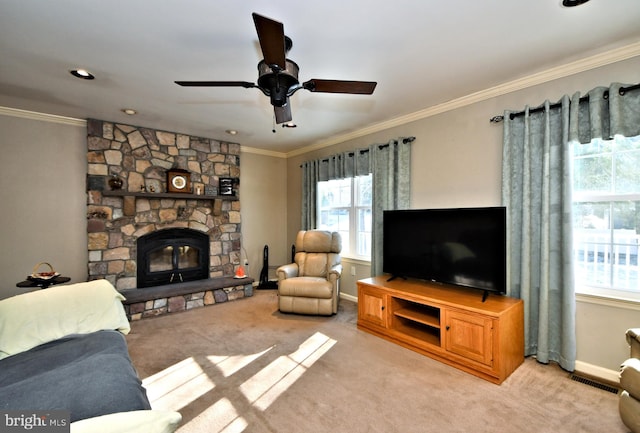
column 278, row 76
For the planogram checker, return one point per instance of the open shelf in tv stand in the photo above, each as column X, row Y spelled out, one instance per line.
column 454, row 325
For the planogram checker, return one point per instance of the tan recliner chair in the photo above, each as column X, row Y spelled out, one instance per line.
column 629, row 404
column 311, row 285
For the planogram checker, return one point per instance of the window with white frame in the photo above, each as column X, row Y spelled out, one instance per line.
column 344, row 206
column 606, row 217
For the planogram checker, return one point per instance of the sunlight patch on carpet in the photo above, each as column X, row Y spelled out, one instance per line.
column 272, row 381
column 220, row 417
column 229, row 365
column 175, row 387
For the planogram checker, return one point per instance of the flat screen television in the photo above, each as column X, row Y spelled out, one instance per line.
column 462, row 246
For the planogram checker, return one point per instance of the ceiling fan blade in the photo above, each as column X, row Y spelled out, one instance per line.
column 283, row 114
column 271, row 37
column 340, row 86
column 244, row 84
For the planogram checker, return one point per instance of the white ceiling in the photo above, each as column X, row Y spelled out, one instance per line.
column 421, row 52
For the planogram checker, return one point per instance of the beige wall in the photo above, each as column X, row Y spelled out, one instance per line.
column 42, row 191
column 264, row 209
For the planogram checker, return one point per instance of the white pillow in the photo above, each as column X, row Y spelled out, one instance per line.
column 137, row 421
column 35, row 318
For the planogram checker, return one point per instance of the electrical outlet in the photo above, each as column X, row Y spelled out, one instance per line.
column 353, row 270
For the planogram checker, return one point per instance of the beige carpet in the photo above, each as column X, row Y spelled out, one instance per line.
column 244, row 367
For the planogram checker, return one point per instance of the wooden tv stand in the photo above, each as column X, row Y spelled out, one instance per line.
column 448, row 323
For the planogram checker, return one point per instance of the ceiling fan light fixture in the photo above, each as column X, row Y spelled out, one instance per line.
column 573, row 3
column 278, row 84
column 82, row 73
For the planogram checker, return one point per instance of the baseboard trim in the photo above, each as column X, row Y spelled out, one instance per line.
column 610, row 376
column 349, row 297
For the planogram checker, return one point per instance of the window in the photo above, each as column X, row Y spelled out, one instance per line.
column 606, row 212
column 344, row 206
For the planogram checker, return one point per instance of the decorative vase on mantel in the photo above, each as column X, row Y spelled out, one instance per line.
column 115, row 183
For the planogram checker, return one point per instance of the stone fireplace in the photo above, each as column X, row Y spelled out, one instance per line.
column 120, row 221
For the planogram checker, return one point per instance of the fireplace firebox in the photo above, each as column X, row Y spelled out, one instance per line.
column 172, row 256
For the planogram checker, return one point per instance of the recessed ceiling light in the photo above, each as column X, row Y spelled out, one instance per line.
column 82, row 73
column 289, row 125
column 231, row 131
column 572, row 3
column 129, row 111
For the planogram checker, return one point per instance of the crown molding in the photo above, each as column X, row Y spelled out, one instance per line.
column 582, row 65
column 15, row 112
column 572, row 68
column 33, row 115
column 264, row 152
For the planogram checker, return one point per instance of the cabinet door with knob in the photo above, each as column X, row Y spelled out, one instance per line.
column 469, row 335
column 372, row 304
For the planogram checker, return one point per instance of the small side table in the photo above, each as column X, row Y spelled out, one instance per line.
column 42, row 283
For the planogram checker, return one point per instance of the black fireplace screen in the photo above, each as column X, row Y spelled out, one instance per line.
column 172, row 256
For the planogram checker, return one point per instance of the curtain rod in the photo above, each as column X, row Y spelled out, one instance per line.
column 621, row 91
column 381, row 146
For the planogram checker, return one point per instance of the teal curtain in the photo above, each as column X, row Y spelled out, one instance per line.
column 310, row 176
column 536, row 189
column 537, row 193
column 390, row 166
column 605, row 112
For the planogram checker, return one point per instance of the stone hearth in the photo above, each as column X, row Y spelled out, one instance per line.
column 154, row 301
column 140, row 158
